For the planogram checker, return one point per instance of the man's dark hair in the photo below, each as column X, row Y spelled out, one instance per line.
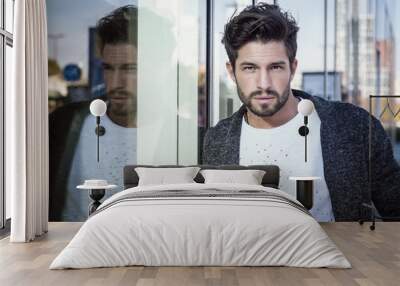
column 120, row 26
column 262, row 22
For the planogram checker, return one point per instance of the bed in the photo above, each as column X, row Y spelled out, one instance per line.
column 201, row 224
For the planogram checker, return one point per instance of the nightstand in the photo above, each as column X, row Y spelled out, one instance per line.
column 96, row 193
column 304, row 190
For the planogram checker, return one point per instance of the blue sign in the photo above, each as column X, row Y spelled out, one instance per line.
column 72, row 72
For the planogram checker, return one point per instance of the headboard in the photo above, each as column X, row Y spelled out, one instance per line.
column 270, row 179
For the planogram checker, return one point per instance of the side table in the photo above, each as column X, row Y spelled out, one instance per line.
column 305, row 190
column 96, row 193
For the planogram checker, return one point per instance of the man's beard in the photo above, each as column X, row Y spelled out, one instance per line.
column 127, row 108
column 267, row 109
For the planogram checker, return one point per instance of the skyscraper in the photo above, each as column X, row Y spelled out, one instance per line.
column 365, row 54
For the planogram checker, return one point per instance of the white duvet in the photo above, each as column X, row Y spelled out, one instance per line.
column 200, row 231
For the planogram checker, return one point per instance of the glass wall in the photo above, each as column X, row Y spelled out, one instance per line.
column 6, row 64
column 354, row 57
column 168, row 61
column 224, row 94
column 9, row 15
column 146, row 60
column 2, row 194
column 310, row 40
column 8, row 89
column 165, row 80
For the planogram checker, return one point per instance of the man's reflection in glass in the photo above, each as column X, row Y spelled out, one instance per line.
column 71, row 128
column 119, row 56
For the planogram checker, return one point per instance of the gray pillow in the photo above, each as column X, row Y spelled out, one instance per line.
column 163, row 176
column 248, row 177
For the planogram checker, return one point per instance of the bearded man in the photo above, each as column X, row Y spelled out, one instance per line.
column 261, row 45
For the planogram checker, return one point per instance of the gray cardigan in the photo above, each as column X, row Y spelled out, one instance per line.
column 344, row 142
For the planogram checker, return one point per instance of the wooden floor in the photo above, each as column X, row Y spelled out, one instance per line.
column 374, row 255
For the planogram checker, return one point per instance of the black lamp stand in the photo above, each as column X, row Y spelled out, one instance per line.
column 303, row 131
column 100, row 131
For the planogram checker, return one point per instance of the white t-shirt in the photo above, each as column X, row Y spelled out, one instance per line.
column 283, row 146
column 117, row 149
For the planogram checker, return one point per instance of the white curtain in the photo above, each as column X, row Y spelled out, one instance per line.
column 27, row 124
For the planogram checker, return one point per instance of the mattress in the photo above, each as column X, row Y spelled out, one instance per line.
column 201, row 225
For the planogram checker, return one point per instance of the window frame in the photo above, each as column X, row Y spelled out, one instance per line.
column 6, row 39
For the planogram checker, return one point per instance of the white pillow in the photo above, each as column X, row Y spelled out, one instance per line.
column 248, row 177
column 163, row 176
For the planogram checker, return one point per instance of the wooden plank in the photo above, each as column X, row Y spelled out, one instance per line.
column 374, row 255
